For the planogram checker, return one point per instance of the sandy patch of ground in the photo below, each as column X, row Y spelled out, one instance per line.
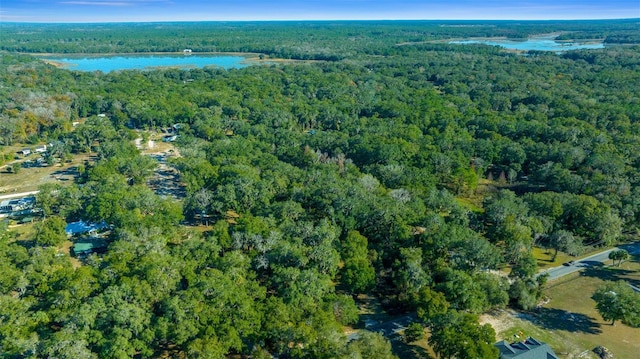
column 500, row 320
column 165, row 180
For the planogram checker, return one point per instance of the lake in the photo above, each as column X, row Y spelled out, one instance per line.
column 146, row 62
column 539, row 44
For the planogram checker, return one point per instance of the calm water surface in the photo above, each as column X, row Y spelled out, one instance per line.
column 147, row 62
column 540, row 44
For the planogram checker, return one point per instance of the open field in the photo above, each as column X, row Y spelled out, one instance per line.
column 22, row 232
column 30, row 179
column 545, row 260
column 569, row 321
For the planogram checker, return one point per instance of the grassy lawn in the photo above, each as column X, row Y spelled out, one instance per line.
column 472, row 204
column 23, row 232
column 569, row 322
column 30, row 179
column 545, row 260
column 415, row 350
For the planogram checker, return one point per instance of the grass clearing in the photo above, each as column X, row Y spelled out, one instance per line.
column 30, row 179
column 569, row 322
column 416, row 350
column 544, row 257
column 23, row 232
column 472, row 204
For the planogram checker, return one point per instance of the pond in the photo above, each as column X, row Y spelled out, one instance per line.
column 539, row 44
column 146, row 62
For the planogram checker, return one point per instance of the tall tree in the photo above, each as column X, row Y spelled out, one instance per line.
column 619, row 255
column 563, row 240
column 618, row 301
column 358, row 273
column 458, row 335
column 50, row 232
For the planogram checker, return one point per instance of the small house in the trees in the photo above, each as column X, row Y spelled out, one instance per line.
column 17, row 204
column 87, row 246
column 81, row 227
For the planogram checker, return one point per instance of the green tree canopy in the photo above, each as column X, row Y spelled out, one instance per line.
column 618, row 301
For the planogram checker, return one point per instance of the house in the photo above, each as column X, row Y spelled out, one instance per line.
column 41, row 149
column 24, row 152
column 529, row 348
column 169, row 138
column 81, row 227
column 17, row 204
column 92, row 245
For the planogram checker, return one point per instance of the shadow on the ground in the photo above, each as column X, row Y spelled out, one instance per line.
column 557, row 319
column 613, row 274
column 631, row 248
column 404, row 350
column 590, row 264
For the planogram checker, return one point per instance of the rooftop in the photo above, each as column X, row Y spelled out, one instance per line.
column 83, row 227
column 529, row 348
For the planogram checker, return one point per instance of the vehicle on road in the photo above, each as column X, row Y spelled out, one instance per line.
column 569, row 263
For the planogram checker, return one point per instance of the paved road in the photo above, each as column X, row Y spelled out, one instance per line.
column 597, row 259
column 394, row 326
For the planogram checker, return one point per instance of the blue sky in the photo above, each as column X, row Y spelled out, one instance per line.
column 215, row 10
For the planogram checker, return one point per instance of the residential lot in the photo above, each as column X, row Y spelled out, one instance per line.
column 569, row 321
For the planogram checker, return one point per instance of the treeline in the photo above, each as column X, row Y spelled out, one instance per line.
column 317, row 40
column 412, row 177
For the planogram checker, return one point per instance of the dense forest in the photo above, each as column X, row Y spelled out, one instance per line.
column 422, row 175
column 320, row 40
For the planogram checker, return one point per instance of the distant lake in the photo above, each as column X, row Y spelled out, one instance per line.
column 540, row 44
column 146, row 62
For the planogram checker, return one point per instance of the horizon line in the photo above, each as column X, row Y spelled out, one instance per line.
column 307, row 20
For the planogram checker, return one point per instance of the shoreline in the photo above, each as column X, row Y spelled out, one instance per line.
column 102, row 54
column 249, row 57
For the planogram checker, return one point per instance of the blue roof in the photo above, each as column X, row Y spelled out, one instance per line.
column 80, row 227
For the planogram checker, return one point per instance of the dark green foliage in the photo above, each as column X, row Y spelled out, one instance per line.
column 50, row 232
column 315, row 183
column 358, row 273
column 370, row 345
column 619, row 255
column 414, row 332
column 458, row 335
column 618, row 301
column 430, row 304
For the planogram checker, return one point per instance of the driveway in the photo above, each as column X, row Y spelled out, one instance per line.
column 594, row 260
column 388, row 328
